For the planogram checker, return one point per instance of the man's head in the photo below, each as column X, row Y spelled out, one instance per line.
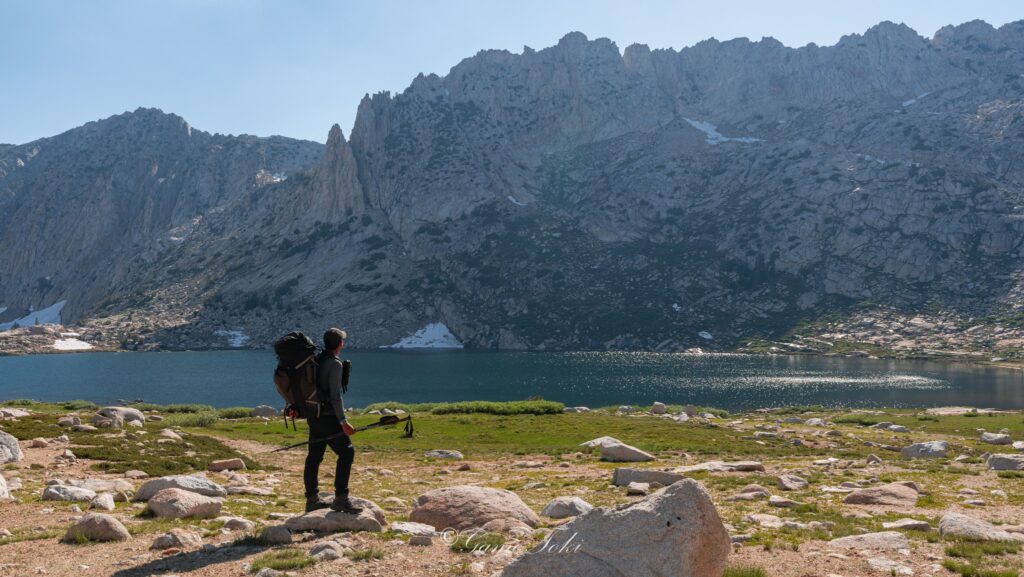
column 334, row 339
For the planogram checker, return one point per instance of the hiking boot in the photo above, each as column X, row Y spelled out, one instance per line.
column 342, row 504
column 314, row 503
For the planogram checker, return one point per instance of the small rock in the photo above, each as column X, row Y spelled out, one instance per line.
column 276, row 535
column 996, row 439
column 562, row 507
column 179, row 504
column 638, row 489
column 227, row 465
column 421, row 540
column 103, row 502
column 177, row 538
column 792, row 482
column 444, row 454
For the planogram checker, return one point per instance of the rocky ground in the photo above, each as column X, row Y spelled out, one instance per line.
column 785, row 493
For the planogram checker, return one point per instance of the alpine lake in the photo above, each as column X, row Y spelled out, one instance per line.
column 595, row 379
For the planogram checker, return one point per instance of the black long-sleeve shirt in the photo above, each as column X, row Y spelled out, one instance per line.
column 328, row 377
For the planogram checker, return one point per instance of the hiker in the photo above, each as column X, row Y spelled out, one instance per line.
column 329, row 421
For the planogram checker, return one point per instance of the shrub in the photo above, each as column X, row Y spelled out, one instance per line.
column 79, row 405
column 234, row 413
column 855, row 419
column 204, row 419
column 496, row 408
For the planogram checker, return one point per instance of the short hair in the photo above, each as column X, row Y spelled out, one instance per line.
column 334, row 337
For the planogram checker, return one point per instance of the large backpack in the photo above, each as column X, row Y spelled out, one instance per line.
column 295, row 375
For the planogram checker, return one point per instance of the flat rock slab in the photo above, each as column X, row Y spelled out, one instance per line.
column 966, row 527
column 623, row 453
column 228, row 465
column 600, row 442
column 67, row 493
column 883, row 540
column 444, row 454
column 467, row 507
column 104, row 485
column 325, row 520
column 193, row 483
column 722, row 467
column 676, row 531
column 908, row 525
column 624, row 476
column 894, row 494
column 410, row 528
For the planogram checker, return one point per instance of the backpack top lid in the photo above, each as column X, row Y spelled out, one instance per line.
column 294, row 348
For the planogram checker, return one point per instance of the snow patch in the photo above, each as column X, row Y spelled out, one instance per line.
column 71, row 344
column 432, row 336
column 712, row 136
column 48, row 316
column 515, row 202
column 2, row 310
column 676, row 307
column 705, row 335
column 235, row 339
column 913, row 101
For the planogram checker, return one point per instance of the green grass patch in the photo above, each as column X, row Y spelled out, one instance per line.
column 195, row 420
column 970, row 570
column 365, row 554
column 744, row 572
column 282, row 560
column 979, row 549
column 856, row 419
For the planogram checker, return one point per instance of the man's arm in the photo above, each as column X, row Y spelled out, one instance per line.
column 334, row 394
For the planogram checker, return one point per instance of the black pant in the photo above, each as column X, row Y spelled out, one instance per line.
column 320, row 427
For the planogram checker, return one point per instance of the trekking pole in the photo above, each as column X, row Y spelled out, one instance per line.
column 383, row 422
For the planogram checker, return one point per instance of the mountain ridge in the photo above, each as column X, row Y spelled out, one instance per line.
column 579, row 197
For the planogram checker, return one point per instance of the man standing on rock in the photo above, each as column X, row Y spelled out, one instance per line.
column 330, row 423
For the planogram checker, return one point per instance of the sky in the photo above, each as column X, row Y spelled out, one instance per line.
column 295, row 67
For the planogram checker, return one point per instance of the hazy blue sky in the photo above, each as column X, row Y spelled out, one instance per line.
column 294, row 67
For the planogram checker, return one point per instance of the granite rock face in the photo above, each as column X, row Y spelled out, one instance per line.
column 527, row 200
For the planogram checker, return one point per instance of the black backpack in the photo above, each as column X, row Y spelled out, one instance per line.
column 295, row 375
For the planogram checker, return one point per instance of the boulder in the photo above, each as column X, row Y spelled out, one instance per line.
column 444, row 454
column 635, row 489
column 676, row 531
column 765, row 520
column 562, row 507
column 1005, row 462
column 926, row 450
column 888, row 566
column 264, row 411
column 5, row 492
column 123, row 414
column 370, row 519
column 658, row 408
column 11, row 413
column 179, row 504
column 103, row 502
column 67, row 493
column 965, row 527
column 600, row 442
column 623, row 453
column 193, row 483
column 1018, row 445
column 996, row 439
column 10, row 451
column 69, row 421
column 815, row 422
column 788, row 482
column 882, row 540
column 466, row 507
column 236, row 523
column 624, row 476
column 421, row 540
column 96, row 527
column 178, row 538
column 136, row 474
column 38, row 443
column 752, row 492
column 895, row 494
column 776, row 501
column 235, row 464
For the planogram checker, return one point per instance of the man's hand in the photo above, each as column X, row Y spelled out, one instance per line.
column 347, row 428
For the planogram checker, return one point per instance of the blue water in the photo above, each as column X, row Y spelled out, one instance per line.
column 232, row 378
